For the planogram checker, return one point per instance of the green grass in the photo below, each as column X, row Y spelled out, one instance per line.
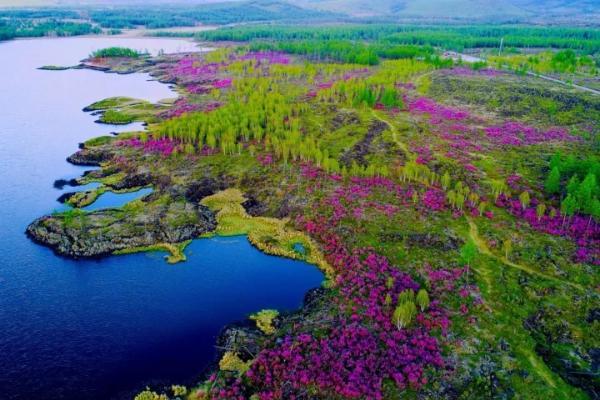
column 175, row 250
column 115, row 117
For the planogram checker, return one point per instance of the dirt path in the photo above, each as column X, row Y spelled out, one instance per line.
column 409, row 155
column 484, row 249
column 548, row 78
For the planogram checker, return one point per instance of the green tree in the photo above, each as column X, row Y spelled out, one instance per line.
column 568, row 207
column 389, row 98
column 507, row 247
column 446, row 180
column 540, row 210
column 525, row 199
column 404, row 314
column 552, row 183
column 468, row 252
column 406, row 296
column 423, row 299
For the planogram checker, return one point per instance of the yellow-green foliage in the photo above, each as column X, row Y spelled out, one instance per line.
column 404, row 314
column 269, row 235
column 112, row 102
column 264, row 320
column 176, row 251
column 179, row 390
column 423, row 299
column 150, row 395
column 232, row 362
column 272, row 108
column 398, row 71
column 406, row 296
column 85, row 198
column 423, row 84
column 116, row 117
column 545, row 62
column 406, row 310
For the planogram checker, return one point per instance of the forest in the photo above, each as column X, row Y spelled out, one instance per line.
column 450, row 37
column 17, row 28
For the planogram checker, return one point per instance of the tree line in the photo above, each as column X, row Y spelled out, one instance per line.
column 448, row 37
column 576, row 182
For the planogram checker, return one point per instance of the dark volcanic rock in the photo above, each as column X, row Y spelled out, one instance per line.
column 344, row 118
column 61, row 183
column 63, row 198
column 242, row 338
column 202, row 188
column 245, row 339
column 290, row 205
column 594, row 315
column 133, row 181
column 446, row 242
column 106, row 231
column 365, row 146
column 91, row 157
column 254, row 207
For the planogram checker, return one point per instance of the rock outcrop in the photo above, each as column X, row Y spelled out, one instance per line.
column 103, row 232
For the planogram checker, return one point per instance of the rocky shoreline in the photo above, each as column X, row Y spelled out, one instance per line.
column 100, row 233
column 104, row 233
column 169, row 217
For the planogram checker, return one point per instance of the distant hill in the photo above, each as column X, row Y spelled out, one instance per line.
column 544, row 11
column 585, row 10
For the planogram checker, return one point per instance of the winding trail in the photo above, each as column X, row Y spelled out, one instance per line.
column 538, row 365
column 410, row 155
column 541, row 76
column 573, row 85
column 484, row 249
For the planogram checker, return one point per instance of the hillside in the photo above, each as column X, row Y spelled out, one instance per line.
column 460, row 9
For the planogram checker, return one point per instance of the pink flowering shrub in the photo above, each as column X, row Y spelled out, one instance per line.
column 268, row 57
column 163, row 146
column 265, row 159
column 424, row 155
column 437, row 112
column 358, row 347
column 583, row 231
column 191, row 68
column 222, row 83
column 434, row 199
column 518, row 134
column 464, row 71
column 183, row 106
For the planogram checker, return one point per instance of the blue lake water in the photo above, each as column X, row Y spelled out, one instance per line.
column 104, row 329
column 112, row 200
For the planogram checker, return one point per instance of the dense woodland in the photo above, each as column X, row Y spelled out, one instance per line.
column 456, row 38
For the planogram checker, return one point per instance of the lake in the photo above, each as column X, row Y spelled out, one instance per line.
column 104, row 329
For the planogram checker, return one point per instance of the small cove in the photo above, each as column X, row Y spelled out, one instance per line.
column 114, row 200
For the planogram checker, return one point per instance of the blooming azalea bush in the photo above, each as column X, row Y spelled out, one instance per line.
column 518, row 134
column 583, row 231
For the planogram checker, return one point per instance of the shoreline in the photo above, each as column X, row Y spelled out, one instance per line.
column 127, row 34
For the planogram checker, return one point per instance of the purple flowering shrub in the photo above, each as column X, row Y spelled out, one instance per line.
column 359, row 351
column 518, row 134
column 162, row 146
column 437, row 112
column 583, row 231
